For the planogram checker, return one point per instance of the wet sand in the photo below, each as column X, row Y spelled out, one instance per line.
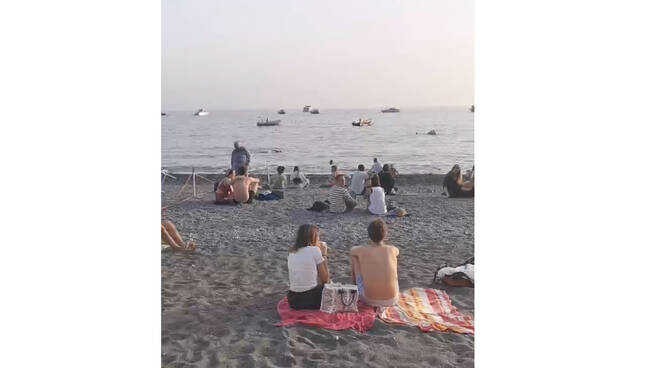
column 219, row 304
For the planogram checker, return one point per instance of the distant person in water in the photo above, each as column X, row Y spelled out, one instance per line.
column 376, row 168
column 224, row 193
column 239, row 157
column 308, row 268
column 339, row 198
column 279, row 182
column 170, row 237
column 298, row 178
column 454, row 185
column 245, row 187
column 374, row 268
column 387, row 180
column 357, row 181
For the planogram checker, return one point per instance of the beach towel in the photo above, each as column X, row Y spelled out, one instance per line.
column 429, row 309
column 361, row 321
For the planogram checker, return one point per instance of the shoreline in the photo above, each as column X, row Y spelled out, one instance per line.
column 314, row 179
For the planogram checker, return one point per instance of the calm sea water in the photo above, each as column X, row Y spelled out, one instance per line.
column 310, row 141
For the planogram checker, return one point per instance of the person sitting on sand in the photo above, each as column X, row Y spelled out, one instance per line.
column 298, row 178
column 339, row 198
column 357, row 181
column 376, row 168
column 374, row 268
column 453, row 184
column 224, row 193
column 245, row 187
column 239, row 157
column 279, row 182
column 170, row 237
column 394, row 171
column 376, row 200
column 387, row 180
column 331, row 178
column 308, row 268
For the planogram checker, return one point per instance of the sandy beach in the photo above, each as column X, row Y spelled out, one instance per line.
column 219, row 304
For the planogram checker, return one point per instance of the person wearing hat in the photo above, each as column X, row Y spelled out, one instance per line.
column 239, row 157
column 339, row 197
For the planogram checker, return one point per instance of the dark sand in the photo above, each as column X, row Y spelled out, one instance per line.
column 219, row 304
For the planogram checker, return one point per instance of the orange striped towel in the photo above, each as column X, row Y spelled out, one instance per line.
column 429, row 309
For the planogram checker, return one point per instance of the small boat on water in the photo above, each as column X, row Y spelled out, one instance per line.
column 306, row 108
column 314, row 111
column 472, row 108
column 267, row 122
column 281, row 111
column 391, row 109
column 163, row 114
column 201, row 112
column 362, row 122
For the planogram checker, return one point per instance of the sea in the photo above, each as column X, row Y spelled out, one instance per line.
column 311, row 141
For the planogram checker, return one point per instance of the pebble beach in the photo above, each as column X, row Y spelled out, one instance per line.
column 219, row 303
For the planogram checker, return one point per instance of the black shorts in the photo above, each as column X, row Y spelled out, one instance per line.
column 310, row 299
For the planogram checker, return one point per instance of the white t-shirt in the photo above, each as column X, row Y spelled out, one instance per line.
column 303, row 275
column 376, row 167
column 357, row 181
column 377, row 204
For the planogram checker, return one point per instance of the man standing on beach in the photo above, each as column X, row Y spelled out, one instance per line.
column 239, row 157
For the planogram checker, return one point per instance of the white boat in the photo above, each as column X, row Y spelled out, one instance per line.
column 267, row 122
column 391, row 109
column 201, row 112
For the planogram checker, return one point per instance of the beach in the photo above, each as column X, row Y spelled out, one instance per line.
column 219, row 303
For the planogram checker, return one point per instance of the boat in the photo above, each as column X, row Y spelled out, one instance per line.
column 281, row 111
column 391, row 109
column 267, row 122
column 362, row 122
column 201, row 112
column 163, row 114
column 314, row 111
column 472, row 108
column 306, row 108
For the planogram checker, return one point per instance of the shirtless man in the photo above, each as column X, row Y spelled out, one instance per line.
column 244, row 186
column 374, row 268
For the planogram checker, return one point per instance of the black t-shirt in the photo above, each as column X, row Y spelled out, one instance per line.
column 386, row 181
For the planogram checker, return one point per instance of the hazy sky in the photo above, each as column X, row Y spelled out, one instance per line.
column 271, row 54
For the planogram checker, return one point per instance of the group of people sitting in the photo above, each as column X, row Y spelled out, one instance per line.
column 373, row 268
column 236, row 189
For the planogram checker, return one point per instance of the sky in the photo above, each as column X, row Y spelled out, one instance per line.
column 328, row 54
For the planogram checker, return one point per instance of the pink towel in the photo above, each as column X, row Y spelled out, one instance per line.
column 361, row 321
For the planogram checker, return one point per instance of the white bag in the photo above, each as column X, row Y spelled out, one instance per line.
column 338, row 298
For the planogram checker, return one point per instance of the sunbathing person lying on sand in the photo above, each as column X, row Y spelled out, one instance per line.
column 171, row 237
column 308, row 268
column 374, row 268
column 339, row 198
column 245, row 187
column 454, row 184
column 224, row 193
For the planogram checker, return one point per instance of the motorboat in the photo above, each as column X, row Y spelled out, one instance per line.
column 281, row 111
column 201, row 112
column 267, row 122
column 391, row 109
column 314, row 111
column 306, row 108
column 362, row 122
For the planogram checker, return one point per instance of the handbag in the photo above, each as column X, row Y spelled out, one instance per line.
column 339, row 298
